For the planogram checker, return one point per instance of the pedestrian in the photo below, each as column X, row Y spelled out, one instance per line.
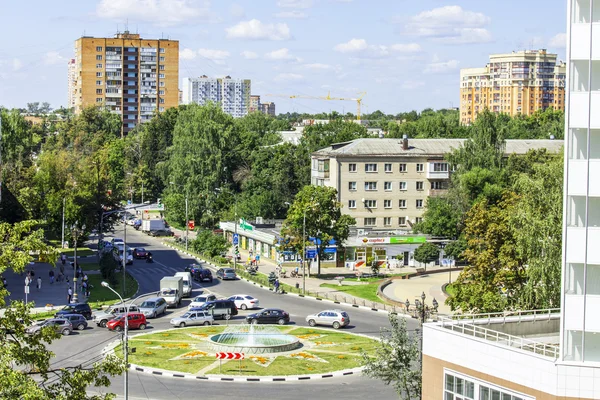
column 85, row 278
column 253, row 260
column 276, row 285
column 51, row 275
column 69, row 295
column 62, row 269
column 63, row 259
column 84, row 286
column 60, row 277
column 39, row 283
column 257, row 259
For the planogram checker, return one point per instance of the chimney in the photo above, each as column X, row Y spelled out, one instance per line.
column 405, row 142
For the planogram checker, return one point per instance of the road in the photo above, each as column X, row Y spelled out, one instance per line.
column 84, row 347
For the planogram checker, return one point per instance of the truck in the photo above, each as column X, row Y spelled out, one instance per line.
column 156, row 224
column 187, row 283
column 171, row 289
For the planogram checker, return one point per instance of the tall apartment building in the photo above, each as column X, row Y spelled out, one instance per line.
column 128, row 75
column 254, row 103
column 268, row 108
column 518, row 83
column 384, row 183
column 546, row 354
column 72, row 83
column 232, row 94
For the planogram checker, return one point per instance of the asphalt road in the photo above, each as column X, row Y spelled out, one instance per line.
column 83, row 347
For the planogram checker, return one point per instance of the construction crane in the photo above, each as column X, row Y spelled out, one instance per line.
column 358, row 100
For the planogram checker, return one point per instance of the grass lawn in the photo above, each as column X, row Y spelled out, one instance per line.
column 450, row 290
column 104, row 295
column 81, row 251
column 367, row 292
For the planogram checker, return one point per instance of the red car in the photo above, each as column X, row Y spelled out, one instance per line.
column 140, row 252
column 135, row 321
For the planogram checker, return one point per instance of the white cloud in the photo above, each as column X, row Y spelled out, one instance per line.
column 441, row 67
column 353, row 45
column 282, row 55
column 295, row 3
column 237, row 11
column 16, row 64
column 53, row 57
column 158, row 12
column 288, row 77
column 187, row 54
column 292, row 14
column 256, row 30
column 450, row 24
column 249, row 55
column 410, row 84
column 559, row 41
column 217, row 56
column 361, row 49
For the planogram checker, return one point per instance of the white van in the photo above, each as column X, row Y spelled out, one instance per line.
column 187, row 283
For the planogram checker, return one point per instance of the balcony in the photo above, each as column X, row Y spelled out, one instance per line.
column 437, row 174
column 437, row 192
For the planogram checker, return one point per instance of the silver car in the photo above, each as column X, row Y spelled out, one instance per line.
column 334, row 318
column 102, row 317
column 193, row 318
column 153, row 307
column 226, row 273
column 60, row 325
column 199, row 301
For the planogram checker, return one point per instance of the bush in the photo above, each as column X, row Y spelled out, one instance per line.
column 108, row 265
column 375, row 267
column 210, row 244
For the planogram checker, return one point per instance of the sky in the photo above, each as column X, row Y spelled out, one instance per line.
column 406, row 55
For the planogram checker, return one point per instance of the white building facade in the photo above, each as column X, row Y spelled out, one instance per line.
column 232, row 94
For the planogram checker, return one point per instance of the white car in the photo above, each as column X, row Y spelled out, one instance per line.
column 193, row 318
column 244, row 301
column 199, row 301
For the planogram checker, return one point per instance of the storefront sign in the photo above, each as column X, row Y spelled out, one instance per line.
column 395, row 240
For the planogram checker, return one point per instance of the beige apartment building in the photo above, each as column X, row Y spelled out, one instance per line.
column 518, row 83
column 128, row 75
column 384, row 183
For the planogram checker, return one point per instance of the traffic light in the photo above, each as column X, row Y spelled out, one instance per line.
column 237, row 250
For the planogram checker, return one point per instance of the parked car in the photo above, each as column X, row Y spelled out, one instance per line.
column 199, row 273
column 244, row 301
column 269, row 316
column 134, row 321
column 199, row 301
column 153, row 307
column 223, row 309
column 137, row 223
column 140, row 252
column 102, row 317
column 60, row 325
column 78, row 321
column 226, row 273
column 116, row 241
column 161, row 232
column 76, row 308
column 118, row 255
column 193, row 318
column 334, row 318
column 106, row 246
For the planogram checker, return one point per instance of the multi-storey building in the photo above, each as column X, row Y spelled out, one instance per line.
column 254, row 103
column 72, row 83
column 268, row 108
column 384, row 183
column 552, row 354
column 128, row 75
column 518, row 83
column 232, row 94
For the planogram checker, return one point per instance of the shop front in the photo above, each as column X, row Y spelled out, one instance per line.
column 397, row 250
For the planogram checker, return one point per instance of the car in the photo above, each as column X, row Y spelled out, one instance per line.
column 199, row 273
column 226, row 273
column 140, row 252
column 334, row 318
column 78, row 321
column 193, row 318
column 161, row 232
column 102, row 317
column 223, row 309
column 134, row 321
column 199, row 301
column 116, row 241
column 137, row 223
column 76, row 308
column 153, row 307
column 60, row 325
column 106, row 246
column 244, row 301
column 118, row 255
column 269, row 316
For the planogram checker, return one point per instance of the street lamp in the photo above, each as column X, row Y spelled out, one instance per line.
column 422, row 311
column 76, row 232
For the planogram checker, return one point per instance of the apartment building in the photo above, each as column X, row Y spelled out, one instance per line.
column 128, row 75
column 384, row 183
column 72, row 83
column 518, row 83
column 232, row 94
column 268, row 108
column 546, row 354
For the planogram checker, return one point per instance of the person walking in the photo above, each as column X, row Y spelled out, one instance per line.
column 276, row 285
column 84, row 286
column 62, row 269
column 51, row 275
column 63, row 260
column 257, row 259
column 69, row 295
column 39, row 283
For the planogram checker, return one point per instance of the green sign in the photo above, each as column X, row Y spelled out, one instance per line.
column 246, row 226
column 407, row 239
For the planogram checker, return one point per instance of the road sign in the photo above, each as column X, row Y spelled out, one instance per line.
column 229, row 356
column 236, row 238
column 27, row 289
column 191, row 224
column 311, row 254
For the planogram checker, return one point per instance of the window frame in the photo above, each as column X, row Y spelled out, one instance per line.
column 352, row 204
column 370, row 186
column 352, row 167
column 352, row 186
column 420, row 167
column 402, row 168
column 387, row 168
column 368, row 168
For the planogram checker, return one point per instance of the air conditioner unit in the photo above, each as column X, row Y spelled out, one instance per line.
column 259, row 220
column 360, row 232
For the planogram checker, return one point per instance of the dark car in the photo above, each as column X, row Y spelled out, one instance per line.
column 140, row 252
column 76, row 308
column 269, row 316
column 77, row 320
column 161, row 232
column 199, row 274
column 224, row 309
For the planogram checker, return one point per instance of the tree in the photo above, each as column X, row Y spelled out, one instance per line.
column 441, row 218
column 210, row 244
column 25, row 370
column 397, row 360
column 324, row 220
column 426, row 253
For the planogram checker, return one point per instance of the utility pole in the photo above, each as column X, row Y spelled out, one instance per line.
column 187, row 222
column 62, row 236
column 124, row 251
column 235, row 256
column 142, row 191
column 304, row 253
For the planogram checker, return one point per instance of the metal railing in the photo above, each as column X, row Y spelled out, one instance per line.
column 518, row 315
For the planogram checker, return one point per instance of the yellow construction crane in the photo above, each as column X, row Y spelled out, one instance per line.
column 358, row 100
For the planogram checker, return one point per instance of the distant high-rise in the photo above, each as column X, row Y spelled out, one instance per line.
column 232, row 94
column 254, row 103
column 518, row 83
column 128, row 75
column 268, row 108
column 72, row 82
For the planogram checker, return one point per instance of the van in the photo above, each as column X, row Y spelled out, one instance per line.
column 223, row 309
column 187, row 283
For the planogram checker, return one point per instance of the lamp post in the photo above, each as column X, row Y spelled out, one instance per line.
column 76, row 231
column 422, row 311
column 125, row 341
column 62, row 236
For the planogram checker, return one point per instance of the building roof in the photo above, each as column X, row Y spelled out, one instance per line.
column 375, row 147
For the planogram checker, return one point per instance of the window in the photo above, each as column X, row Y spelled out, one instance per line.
column 161, row 67
column 402, row 167
column 418, row 220
column 98, row 83
column 98, row 65
column 162, row 50
column 98, row 91
column 98, row 48
column 161, row 109
column 371, row 203
column 419, row 203
column 98, row 57
column 370, row 221
column 352, row 167
column 352, row 186
column 370, row 186
column 387, row 204
column 98, row 74
column 162, row 58
column 162, row 83
column 401, row 221
column 387, row 221
column 420, row 185
column 440, row 167
column 161, row 92
column 387, row 167
column 161, row 76
column 98, row 99
column 419, row 167
column 161, row 101
column 436, row 185
column 387, row 186
column 370, row 167
column 351, row 203
column 402, row 203
column 402, row 185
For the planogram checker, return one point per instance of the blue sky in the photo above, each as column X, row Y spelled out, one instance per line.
column 404, row 54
